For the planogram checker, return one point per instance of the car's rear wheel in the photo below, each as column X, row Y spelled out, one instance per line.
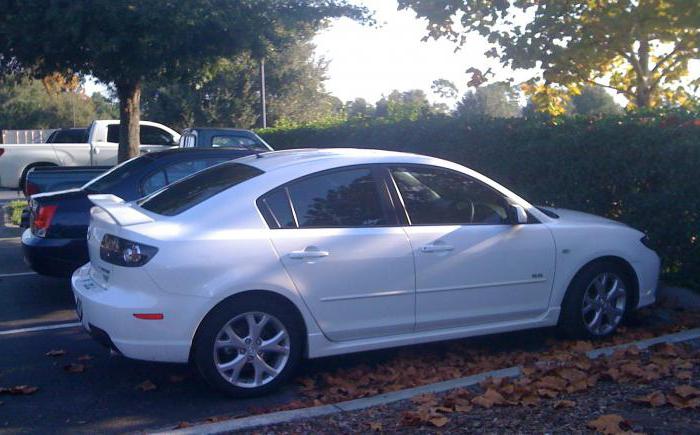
column 247, row 347
column 596, row 301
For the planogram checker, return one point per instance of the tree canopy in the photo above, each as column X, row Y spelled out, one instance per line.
column 127, row 42
column 639, row 48
column 495, row 100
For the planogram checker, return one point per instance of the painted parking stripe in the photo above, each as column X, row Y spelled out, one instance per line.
column 40, row 328
column 9, row 275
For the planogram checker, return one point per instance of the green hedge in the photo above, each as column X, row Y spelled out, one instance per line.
column 643, row 170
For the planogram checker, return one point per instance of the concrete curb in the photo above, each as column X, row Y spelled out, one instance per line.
column 253, row 421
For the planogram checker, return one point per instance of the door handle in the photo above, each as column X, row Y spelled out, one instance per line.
column 309, row 252
column 437, row 248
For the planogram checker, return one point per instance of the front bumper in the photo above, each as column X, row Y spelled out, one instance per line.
column 108, row 314
column 648, row 269
column 53, row 257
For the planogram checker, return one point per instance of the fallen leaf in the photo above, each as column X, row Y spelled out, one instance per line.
column 85, row 357
column 19, row 390
column 376, row 426
column 683, row 375
column 147, row 385
column 438, row 420
column 552, row 383
column 490, row 398
column 607, row 424
column 655, row 399
column 56, row 352
column 564, row 404
column 582, row 346
column 74, row 368
column 686, row 391
column 182, row 425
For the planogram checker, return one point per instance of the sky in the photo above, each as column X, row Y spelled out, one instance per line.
column 371, row 61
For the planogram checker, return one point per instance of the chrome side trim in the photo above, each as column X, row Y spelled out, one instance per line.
column 367, row 295
column 473, row 286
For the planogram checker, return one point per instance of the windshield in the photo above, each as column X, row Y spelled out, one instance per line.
column 197, row 188
column 107, row 181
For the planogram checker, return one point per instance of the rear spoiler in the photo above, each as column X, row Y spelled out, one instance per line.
column 122, row 213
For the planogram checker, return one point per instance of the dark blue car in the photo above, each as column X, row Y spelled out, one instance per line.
column 55, row 242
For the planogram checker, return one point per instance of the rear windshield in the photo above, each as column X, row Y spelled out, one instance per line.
column 129, row 169
column 201, row 186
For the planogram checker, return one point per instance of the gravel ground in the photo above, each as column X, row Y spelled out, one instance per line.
column 565, row 413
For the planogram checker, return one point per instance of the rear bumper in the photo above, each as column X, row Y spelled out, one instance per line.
column 53, row 257
column 108, row 315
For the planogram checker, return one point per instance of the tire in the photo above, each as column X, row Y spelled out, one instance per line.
column 245, row 375
column 584, row 300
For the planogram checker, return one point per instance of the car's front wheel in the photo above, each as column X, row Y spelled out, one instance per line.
column 247, row 347
column 596, row 301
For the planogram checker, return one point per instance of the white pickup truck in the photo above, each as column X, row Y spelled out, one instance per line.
column 100, row 150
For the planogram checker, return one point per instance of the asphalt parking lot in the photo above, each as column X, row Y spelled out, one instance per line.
column 37, row 316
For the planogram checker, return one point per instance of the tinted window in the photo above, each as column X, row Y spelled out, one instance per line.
column 75, row 135
column 155, row 136
column 113, row 133
column 129, row 169
column 154, row 182
column 348, row 198
column 434, row 196
column 201, row 186
column 234, row 141
column 277, row 210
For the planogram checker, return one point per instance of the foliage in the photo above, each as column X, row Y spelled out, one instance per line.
column 26, row 104
column 409, row 105
column 640, row 49
column 14, row 209
column 227, row 94
column 126, row 43
column 639, row 169
column 444, row 89
column 594, row 101
column 496, row 100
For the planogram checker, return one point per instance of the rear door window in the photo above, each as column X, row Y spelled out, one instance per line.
column 198, row 188
column 343, row 198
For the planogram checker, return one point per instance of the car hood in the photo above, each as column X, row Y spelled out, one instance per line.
column 578, row 217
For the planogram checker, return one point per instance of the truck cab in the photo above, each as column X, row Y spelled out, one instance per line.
column 222, row 138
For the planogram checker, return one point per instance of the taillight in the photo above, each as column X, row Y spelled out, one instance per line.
column 42, row 219
column 122, row 252
column 30, row 189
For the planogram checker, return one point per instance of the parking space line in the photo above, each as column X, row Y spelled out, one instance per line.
column 40, row 328
column 2, row 239
column 8, row 275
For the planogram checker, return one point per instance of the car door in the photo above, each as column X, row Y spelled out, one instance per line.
column 473, row 266
column 153, row 138
column 339, row 241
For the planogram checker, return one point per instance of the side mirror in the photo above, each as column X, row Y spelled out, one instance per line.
column 519, row 214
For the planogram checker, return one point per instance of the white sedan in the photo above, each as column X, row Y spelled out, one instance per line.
column 249, row 266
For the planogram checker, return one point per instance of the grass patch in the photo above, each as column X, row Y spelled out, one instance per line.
column 14, row 210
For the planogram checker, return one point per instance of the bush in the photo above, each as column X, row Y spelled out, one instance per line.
column 639, row 169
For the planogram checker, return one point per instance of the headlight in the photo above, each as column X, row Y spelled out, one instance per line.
column 122, row 252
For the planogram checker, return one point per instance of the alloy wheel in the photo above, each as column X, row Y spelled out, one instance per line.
column 251, row 349
column 604, row 303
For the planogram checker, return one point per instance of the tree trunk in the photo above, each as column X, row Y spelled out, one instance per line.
column 129, row 117
column 643, row 92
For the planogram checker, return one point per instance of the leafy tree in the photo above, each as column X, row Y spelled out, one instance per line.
column 594, row 101
column 29, row 104
column 126, row 43
column 496, row 100
column 359, row 108
column 409, row 105
column 444, row 89
column 227, row 94
column 639, row 48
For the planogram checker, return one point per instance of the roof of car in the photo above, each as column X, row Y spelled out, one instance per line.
column 326, row 157
column 176, row 151
column 239, row 130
